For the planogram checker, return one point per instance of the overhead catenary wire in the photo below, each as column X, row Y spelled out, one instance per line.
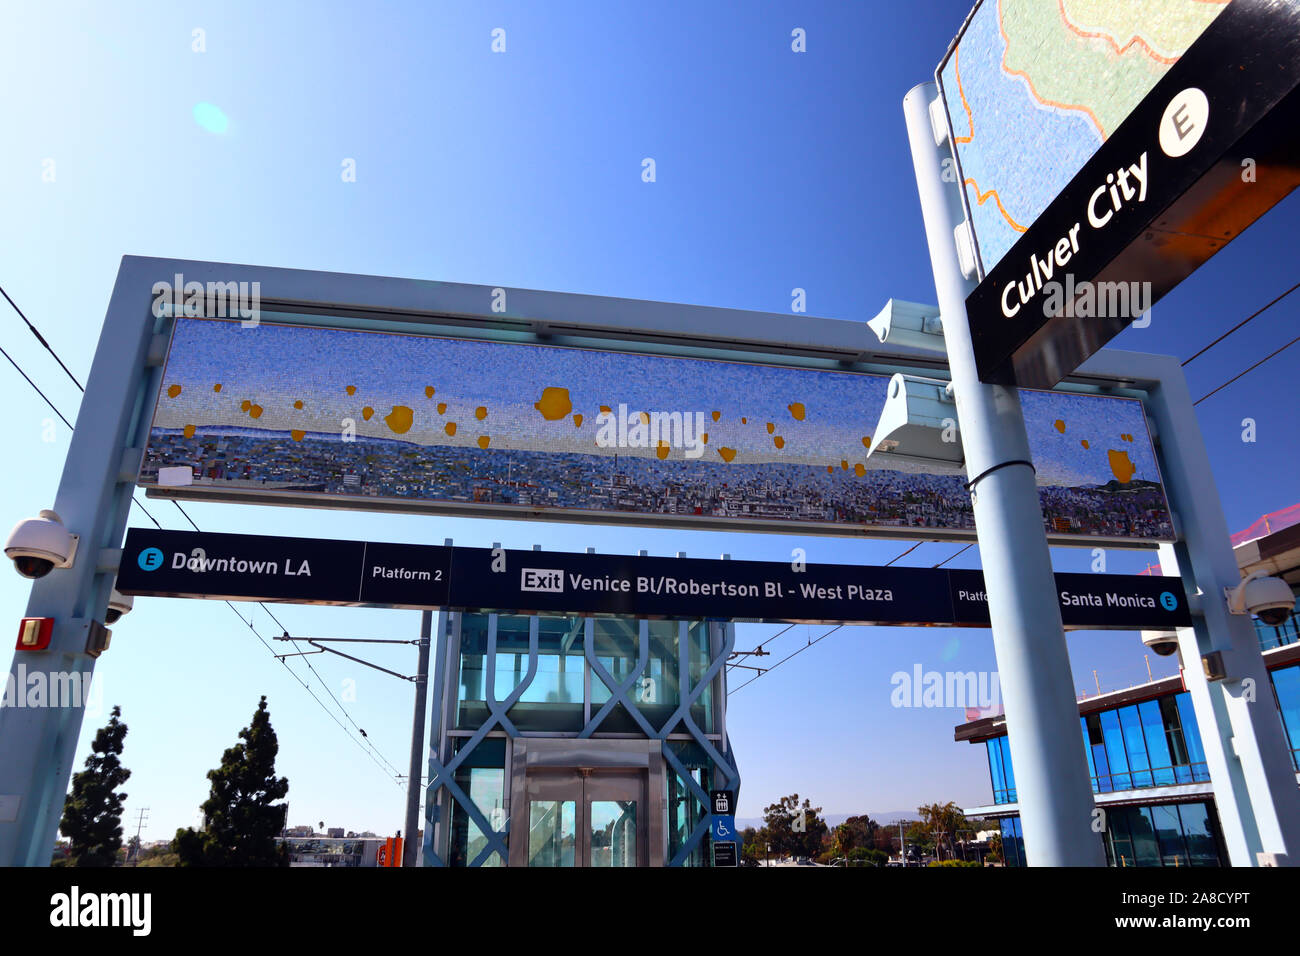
column 786, row 658
column 370, row 749
column 1257, row 312
column 40, row 338
column 1246, row 371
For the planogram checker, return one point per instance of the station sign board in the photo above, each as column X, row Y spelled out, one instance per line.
column 329, row 417
column 1105, row 152
column 356, row 573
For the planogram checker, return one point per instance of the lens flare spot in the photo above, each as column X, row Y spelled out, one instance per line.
column 217, row 387
column 797, row 410
column 577, row 420
column 771, row 427
column 859, row 469
column 442, row 408
column 662, row 450
column 428, row 391
column 173, row 391
column 717, row 415
column 211, row 118
column 256, row 411
column 1059, row 425
column 1084, row 443
column 245, row 405
column 450, row 428
column 296, row 434
column 298, row 404
column 844, row 465
column 350, row 389
column 604, row 410
column 481, row 412
column 866, row 441
column 778, row 441
column 189, row 431
column 645, row 417
column 367, row 412
column 484, row 441
column 727, row 454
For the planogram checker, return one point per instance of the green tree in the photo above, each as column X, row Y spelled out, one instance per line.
column 794, row 829
column 92, row 814
column 942, row 821
column 241, row 818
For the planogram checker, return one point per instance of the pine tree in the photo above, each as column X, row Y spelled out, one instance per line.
column 92, row 814
column 241, row 817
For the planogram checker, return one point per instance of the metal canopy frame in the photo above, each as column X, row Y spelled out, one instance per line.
column 368, row 303
column 1258, row 801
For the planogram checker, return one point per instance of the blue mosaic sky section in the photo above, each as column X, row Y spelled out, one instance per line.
column 1026, row 151
column 276, row 366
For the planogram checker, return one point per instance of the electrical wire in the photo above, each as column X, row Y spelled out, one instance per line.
column 1245, row 371
column 40, row 338
column 786, row 658
column 1187, row 362
column 368, row 748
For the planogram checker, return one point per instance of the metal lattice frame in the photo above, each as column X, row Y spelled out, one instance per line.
column 443, row 775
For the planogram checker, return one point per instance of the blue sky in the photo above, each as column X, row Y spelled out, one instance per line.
column 775, row 170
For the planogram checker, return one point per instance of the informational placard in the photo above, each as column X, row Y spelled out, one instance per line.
column 724, row 854
column 309, row 571
column 1105, row 151
column 297, row 415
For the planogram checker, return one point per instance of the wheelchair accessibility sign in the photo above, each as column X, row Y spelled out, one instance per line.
column 724, row 829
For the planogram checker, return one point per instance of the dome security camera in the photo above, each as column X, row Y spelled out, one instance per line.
column 39, row 545
column 1164, row 643
column 118, row 604
column 1268, row 598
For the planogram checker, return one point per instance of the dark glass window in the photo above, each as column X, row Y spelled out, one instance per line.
column 1169, row 835
column 1198, row 831
column 1142, row 829
column 1013, row 842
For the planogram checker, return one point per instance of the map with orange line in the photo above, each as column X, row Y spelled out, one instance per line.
column 1034, row 87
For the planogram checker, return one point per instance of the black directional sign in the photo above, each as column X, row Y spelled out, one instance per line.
column 245, row 567
column 724, row 854
column 310, row 571
column 1212, row 147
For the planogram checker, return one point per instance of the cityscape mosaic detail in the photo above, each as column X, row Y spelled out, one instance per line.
column 383, row 418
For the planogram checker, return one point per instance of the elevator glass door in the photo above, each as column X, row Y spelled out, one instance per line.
column 586, row 818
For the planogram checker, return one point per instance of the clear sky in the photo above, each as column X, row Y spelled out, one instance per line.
column 775, row 170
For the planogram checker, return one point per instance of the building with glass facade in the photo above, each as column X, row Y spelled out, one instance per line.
column 1147, row 766
column 576, row 741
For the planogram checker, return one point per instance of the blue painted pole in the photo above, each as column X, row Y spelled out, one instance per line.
column 1056, row 803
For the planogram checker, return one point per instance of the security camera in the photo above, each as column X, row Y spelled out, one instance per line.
column 39, row 545
column 1164, row 643
column 1259, row 593
column 118, row 604
column 910, row 325
column 918, row 423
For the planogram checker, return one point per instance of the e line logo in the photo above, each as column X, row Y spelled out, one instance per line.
column 1168, row 601
column 150, row 559
column 542, row 579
